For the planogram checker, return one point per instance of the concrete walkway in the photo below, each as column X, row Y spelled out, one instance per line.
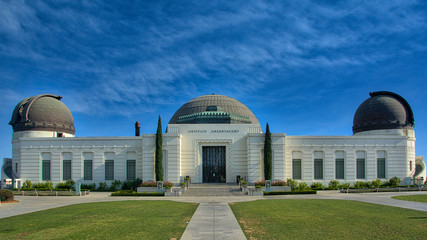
column 213, row 221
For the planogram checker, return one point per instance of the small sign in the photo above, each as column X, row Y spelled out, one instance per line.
column 267, row 185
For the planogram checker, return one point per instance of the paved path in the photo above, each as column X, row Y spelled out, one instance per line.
column 213, row 221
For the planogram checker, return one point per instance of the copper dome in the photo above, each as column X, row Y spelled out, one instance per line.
column 218, row 103
column 42, row 113
column 383, row 110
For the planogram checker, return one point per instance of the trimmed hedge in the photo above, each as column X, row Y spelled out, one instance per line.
column 6, row 195
column 135, row 194
column 291, row 193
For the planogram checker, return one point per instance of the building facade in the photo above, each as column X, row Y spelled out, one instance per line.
column 212, row 139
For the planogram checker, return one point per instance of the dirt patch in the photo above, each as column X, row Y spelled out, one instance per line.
column 10, row 201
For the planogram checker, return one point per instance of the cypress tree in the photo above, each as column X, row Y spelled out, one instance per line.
column 267, row 154
column 159, row 152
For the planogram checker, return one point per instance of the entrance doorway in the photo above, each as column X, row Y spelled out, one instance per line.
column 214, row 164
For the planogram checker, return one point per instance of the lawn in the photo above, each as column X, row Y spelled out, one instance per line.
column 413, row 198
column 105, row 220
column 328, row 219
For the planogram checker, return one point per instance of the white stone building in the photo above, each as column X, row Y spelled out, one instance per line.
column 212, row 138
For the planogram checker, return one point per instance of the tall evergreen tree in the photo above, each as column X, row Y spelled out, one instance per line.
column 268, row 152
column 159, row 152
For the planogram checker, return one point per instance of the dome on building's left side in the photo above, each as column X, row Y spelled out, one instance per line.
column 42, row 113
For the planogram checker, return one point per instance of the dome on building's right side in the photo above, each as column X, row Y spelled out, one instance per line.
column 383, row 110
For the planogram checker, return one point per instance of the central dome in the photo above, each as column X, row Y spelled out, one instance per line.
column 214, row 109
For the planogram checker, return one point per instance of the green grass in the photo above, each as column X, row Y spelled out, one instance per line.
column 105, row 220
column 328, row 219
column 413, row 198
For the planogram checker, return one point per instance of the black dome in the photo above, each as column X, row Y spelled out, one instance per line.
column 384, row 110
column 42, row 113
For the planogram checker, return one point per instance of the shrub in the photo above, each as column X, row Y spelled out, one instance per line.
column 149, row 184
column 115, row 184
column 6, row 195
column 317, row 186
column 359, row 184
column 102, row 186
column 48, row 184
column 278, row 183
column 127, row 185
column 259, row 183
column 302, row 186
column 376, row 183
column 167, row 184
column 344, row 185
column 70, row 183
column 27, row 184
column 292, row 183
column 334, row 184
column 90, row 187
column 309, row 191
column 133, row 193
column 62, row 185
column 394, row 181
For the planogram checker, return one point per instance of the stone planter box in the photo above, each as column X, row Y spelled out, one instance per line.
column 146, row 189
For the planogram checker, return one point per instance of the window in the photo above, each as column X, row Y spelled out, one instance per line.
column 296, row 165
column 88, row 166
column 130, row 169
column 360, row 164
column 46, row 157
column 381, row 164
column 339, row 165
column 318, row 165
column 109, row 166
column 16, row 167
column 410, row 166
column 131, row 166
column 59, row 134
column 66, row 166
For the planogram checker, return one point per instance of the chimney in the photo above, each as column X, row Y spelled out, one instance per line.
column 137, row 129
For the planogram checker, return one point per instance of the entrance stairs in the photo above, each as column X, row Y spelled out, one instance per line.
column 213, row 189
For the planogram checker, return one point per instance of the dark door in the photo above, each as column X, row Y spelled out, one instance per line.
column 214, row 164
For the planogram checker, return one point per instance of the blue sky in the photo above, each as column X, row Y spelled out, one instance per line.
column 302, row 66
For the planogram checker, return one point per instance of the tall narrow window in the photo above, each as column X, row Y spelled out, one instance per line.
column 360, row 164
column 339, row 164
column 318, row 165
column 296, row 165
column 46, row 158
column 131, row 166
column 16, row 167
column 109, row 166
column 66, row 166
column 88, row 166
column 381, row 164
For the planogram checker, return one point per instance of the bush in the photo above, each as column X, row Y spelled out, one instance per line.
column 278, row 183
column 317, row 186
column 27, row 184
column 102, row 186
column 90, row 187
column 48, row 184
column 259, row 183
column 167, row 184
column 290, row 193
column 6, row 195
column 292, row 183
column 149, row 184
column 131, row 184
column 334, row 184
column 344, row 185
column 394, row 181
column 376, row 183
column 302, row 186
column 133, row 193
column 115, row 184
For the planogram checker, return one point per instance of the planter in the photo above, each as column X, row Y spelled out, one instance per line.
column 146, row 189
column 278, row 189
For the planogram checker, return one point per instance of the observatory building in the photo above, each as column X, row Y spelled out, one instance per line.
column 212, row 139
